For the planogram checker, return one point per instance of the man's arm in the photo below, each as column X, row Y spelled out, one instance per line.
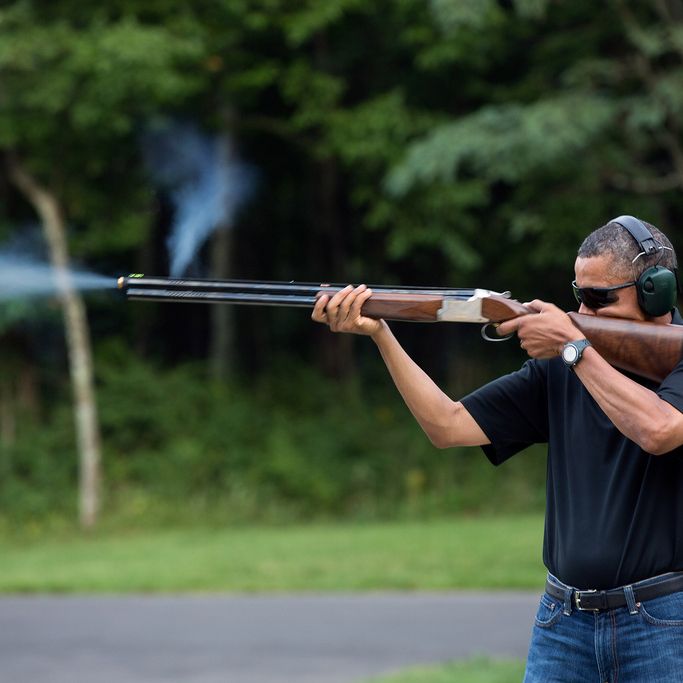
column 636, row 411
column 446, row 422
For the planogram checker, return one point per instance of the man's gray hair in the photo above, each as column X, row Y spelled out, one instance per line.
column 615, row 241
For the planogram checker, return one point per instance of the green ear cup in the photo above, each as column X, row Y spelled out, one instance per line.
column 657, row 289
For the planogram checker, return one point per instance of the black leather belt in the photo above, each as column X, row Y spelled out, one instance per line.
column 594, row 601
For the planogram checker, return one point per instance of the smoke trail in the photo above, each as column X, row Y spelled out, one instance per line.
column 206, row 181
column 22, row 276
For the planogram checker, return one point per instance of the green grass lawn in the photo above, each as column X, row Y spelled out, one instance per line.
column 471, row 671
column 497, row 552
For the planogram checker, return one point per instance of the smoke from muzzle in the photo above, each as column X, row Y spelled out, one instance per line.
column 23, row 276
column 205, row 180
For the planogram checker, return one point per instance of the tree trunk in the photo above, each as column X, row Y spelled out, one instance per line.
column 8, row 427
column 8, row 422
column 222, row 345
column 50, row 212
column 335, row 351
column 221, row 352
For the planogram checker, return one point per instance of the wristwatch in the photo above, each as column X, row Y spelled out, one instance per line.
column 573, row 350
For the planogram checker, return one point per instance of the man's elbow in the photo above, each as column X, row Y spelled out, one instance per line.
column 440, row 440
column 438, row 433
column 658, row 447
column 659, row 439
column 455, row 428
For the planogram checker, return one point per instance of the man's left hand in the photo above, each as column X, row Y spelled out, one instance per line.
column 542, row 334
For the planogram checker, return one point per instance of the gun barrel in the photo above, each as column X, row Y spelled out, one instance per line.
column 415, row 304
column 220, row 297
column 255, row 291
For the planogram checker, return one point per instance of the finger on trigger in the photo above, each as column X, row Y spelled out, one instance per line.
column 507, row 328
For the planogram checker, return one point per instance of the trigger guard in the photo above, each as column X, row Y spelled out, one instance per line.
column 496, row 338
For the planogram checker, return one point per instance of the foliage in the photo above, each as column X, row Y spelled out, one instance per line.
column 292, row 447
column 507, row 142
column 447, row 91
column 441, row 143
column 76, row 86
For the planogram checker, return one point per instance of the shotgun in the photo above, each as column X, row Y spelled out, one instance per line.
column 646, row 349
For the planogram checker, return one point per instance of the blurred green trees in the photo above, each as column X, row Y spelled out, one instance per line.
column 402, row 141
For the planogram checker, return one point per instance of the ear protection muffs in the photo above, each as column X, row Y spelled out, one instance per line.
column 657, row 288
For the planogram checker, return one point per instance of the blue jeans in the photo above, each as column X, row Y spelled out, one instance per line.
column 638, row 643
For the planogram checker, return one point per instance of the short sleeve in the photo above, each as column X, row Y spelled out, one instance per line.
column 512, row 411
column 671, row 389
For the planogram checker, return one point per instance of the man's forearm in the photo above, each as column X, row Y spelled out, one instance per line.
column 636, row 411
column 446, row 422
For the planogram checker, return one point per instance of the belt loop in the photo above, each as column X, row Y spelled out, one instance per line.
column 630, row 599
column 567, row 591
column 568, row 601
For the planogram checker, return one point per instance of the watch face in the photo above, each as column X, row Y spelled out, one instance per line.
column 569, row 354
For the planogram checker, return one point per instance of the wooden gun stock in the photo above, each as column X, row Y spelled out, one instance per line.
column 645, row 349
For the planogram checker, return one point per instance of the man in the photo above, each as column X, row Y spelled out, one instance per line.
column 613, row 546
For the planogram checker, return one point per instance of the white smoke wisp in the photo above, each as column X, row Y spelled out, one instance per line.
column 23, row 276
column 207, row 184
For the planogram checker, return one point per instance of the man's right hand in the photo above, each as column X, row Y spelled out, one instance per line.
column 342, row 311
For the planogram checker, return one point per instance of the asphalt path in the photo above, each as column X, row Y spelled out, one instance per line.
column 252, row 639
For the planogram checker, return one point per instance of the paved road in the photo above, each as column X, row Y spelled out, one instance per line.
column 252, row 639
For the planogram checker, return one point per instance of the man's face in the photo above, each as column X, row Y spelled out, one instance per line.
column 594, row 272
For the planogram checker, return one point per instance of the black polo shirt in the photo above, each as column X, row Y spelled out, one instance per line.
column 614, row 513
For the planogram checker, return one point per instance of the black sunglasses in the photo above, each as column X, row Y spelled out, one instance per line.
column 598, row 297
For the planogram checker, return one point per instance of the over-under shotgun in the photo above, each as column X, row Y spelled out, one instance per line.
column 646, row 349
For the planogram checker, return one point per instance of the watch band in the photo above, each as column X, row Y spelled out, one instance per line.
column 572, row 352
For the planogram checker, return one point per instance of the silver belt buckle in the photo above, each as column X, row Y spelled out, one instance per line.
column 577, row 601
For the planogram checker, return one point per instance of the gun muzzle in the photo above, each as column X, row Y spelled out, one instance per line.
column 141, row 287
